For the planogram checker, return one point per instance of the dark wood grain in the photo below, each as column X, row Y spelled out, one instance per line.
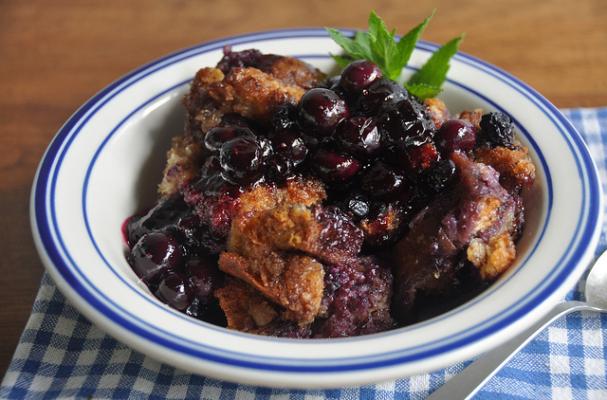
column 54, row 55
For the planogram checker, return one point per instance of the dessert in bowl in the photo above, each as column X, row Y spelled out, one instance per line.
column 105, row 163
column 300, row 205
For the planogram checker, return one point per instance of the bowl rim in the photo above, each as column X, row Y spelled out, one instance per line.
column 53, row 261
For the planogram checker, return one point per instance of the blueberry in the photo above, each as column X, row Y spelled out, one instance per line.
column 239, row 59
column 204, row 278
column 333, row 82
column 155, row 253
column 456, row 134
column 290, row 151
column 290, row 145
column 358, row 75
column 189, row 227
column 175, row 291
column 241, row 160
column 266, row 148
column 497, row 129
column 211, row 181
column 216, row 185
column 284, row 117
column 406, row 124
column 279, row 169
column 356, row 205
column 359, row 136
column 334, row 167
column 321, row 110
column 166, row 213
column 381, row 181
column 382, row 93
column 438, row 178
column 216, row 137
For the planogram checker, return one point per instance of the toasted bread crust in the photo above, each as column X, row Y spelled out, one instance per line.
column 245, row 309
column 437, row 111
column 294, row 282
column 252, row 93
column 271, row 223
column 183, row 162
column 514, row 165
column 472, row 116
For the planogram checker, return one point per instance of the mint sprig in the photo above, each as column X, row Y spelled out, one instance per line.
column 380, row 46
column 406, row 44
column 429, row 79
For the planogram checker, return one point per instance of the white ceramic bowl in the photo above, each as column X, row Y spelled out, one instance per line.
column 104, row 163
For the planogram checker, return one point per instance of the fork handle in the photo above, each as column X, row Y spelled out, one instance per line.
column 470, row 380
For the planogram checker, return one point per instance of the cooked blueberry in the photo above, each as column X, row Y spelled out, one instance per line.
column 497, row 129
column 216, row 184
column 290, row 145
column 238, row 59
column 406, row 124
column 284, row 117
column 211, row 181
column 209, row 312
column 383, row 93
column 311, row 142
column 359, row 136
column 357, row 205
column 196, row 309
column 241, row 160
column 174, row 290
column 279, row 169
column 321, row 110
column 333, row 82
column 155, row 253
column 204, row 277
column 266, row 148
column 166, row 213
column 334, row 167
column 381, row 180
column 216, row 137
column 189, row 226
column 358, row 75
column 456, row 134
column 441, row 176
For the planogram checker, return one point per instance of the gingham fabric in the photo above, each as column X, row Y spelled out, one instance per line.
column 61, row 355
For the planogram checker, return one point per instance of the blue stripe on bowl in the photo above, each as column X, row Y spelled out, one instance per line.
column 567, row 130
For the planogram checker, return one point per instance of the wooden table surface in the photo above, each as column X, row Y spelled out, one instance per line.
column 55, row 55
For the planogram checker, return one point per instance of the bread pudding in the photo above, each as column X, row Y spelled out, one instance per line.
column 297, row 205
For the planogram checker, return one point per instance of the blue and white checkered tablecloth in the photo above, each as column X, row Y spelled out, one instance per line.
column 61, row 355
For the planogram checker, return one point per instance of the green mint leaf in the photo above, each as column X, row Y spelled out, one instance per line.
column 392, row 64
column 351, row 47
column 362, row 38
column 434, row 72
column 422, row 90
column 383, row 46
column 407, row 43
column 373, row 33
